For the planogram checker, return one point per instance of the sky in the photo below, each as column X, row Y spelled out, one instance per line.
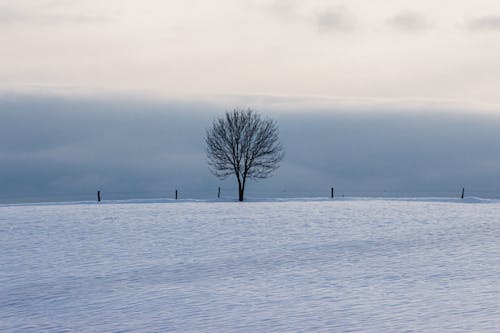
column 397, row 96
column 357, row 49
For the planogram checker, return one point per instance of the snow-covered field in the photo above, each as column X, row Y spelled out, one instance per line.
column 332, row 266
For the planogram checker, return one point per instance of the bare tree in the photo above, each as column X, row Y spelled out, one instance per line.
column 243, row 144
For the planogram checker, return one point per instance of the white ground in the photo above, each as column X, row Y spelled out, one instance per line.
column 333, row 266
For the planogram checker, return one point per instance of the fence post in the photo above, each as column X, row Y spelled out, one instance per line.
column 98, row 196
column 331, row 193
column 463, row 192
column 176, row 194
column 218, row 193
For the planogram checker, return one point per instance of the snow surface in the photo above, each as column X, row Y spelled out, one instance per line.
column 297, row 265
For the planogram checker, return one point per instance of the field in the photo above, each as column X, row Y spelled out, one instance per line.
column 296, row 265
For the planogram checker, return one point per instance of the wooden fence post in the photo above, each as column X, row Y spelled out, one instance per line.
column 463, row 192
column 218, row 193
column 331, row 193
column 98, row 196
column 176, row 194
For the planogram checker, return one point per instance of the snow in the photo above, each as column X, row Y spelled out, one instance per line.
column 369, row 265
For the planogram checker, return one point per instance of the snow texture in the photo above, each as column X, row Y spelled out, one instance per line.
column 297, row 265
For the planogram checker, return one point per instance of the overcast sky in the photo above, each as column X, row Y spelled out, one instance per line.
column 444, row 51
column 394, row 95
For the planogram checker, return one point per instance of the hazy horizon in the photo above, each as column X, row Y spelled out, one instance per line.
column 57, row 148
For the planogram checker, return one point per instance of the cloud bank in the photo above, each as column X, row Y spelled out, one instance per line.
column 66, row 149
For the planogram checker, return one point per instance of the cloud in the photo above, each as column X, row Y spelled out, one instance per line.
column 335, row 19
column 284, row 8
column 409, row 21
column 490, row 22
column 56, row 148
column 67, row 148
column 48, row 13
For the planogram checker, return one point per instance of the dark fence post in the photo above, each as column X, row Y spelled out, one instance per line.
column 98, row 196
column 176, row 194
column 331, row 193
column 463, row 192
column 218, row 193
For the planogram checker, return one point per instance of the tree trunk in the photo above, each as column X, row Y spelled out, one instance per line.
column 240, row 193
column 241, row 188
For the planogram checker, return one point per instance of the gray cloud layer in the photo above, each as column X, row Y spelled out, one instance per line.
column 66, row 149
column 48, row 13
column 490, row 22
column 335, row 19
column 409, row 21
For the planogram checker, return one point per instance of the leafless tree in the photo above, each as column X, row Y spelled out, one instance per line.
column 243, row 144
